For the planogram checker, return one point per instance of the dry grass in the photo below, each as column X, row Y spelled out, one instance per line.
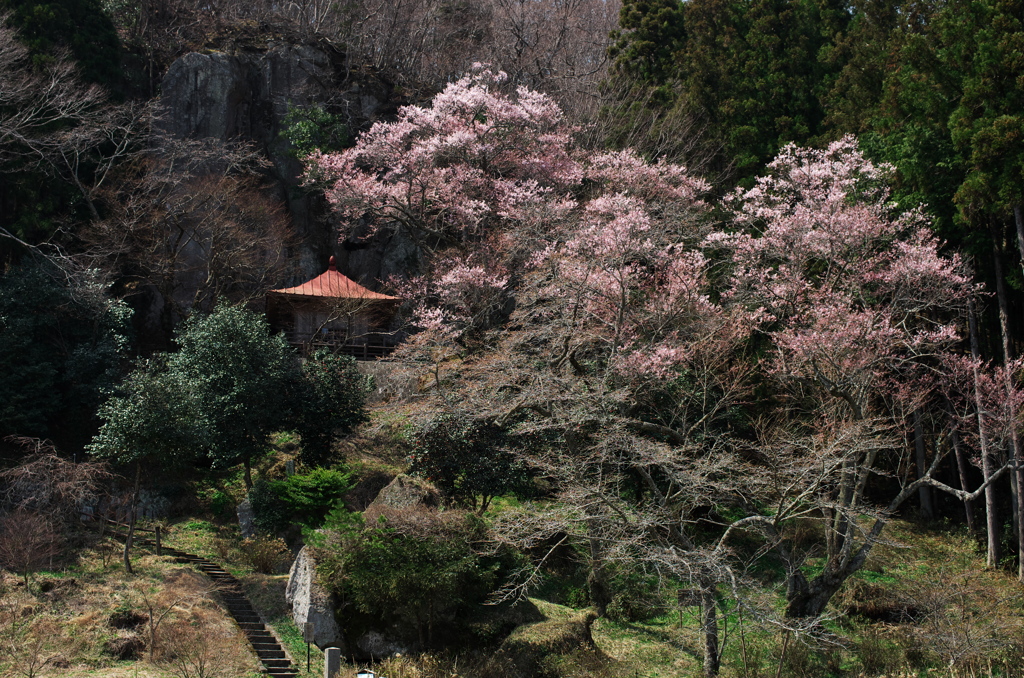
column 76, row 622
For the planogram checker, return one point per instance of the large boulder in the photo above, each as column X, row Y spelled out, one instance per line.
column 404, row 492
column 311, row 602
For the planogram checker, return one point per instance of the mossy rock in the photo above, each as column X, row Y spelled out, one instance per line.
column 528, row 650
column 490, row 623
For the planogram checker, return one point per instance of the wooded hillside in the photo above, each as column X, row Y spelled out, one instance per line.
column 696, row 298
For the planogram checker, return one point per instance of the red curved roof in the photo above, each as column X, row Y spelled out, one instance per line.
column 331, row 283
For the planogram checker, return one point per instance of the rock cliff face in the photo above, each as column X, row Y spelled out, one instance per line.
column 246, row 94
column 311, row 603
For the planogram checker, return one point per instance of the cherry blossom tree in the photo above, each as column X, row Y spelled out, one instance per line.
column 565, row 302
column 587, row 301
column 857, row 304
column 478, row 161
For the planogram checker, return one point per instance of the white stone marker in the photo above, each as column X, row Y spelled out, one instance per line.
column 332, row 662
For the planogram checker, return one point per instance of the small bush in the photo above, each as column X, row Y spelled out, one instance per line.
column 187, row 652
column 415, row 570
column 469, row 460
column 635, row 597
column 577, row 596
column 302, row 499
column 266, row 555
column 221, row 504
column 799, row 661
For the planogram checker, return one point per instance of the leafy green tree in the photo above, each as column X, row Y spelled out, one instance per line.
column 987, row 126
column 228, row 386
column 331, row 399
column 148, row 420
column 650, row 34
column 419, row 571
column 302, row 499
column 313, row 128
column 468, row 460
column 752, row 73
column 219, row 395
column 896, row 87
column 148, row 423
column 61, row 345
column 237, row 374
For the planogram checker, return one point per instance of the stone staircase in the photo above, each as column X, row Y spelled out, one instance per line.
column 266, row 646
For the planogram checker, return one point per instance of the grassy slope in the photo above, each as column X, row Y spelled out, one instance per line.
column 62, row 625
column 924, row 603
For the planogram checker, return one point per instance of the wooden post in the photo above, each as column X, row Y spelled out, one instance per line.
column 159, row 551
column 131, row 520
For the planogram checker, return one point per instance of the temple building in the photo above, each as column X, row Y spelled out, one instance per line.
column 334, row 310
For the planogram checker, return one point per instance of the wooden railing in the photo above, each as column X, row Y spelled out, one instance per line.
column 367, row 347
column 118, row 525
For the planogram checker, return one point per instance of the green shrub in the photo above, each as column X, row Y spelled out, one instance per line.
column 331, row 398
column 300, row 499
column 221, row 503
column 417, row 572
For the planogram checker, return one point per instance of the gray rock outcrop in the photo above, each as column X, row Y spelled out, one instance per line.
column 245, row 97
column 246, row 519
column 246, row 94
column 311, row 602
column 375, row 644
column 404, row 492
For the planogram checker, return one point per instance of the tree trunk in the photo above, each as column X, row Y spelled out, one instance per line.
column 1018, row 218
column 810, row 598
column 1017, row 477
column 131, row 520
column 1006, row 334
column 709, row 629
column 597, row 579
column 600, row 596
column 991, row 516
column 924, row 493
column 961, row 467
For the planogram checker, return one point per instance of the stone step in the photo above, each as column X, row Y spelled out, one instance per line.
column 236, row 610
column 277, row 663
column 270, row 654
column 237, row 604
column 264, row 646
column 241, row 605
